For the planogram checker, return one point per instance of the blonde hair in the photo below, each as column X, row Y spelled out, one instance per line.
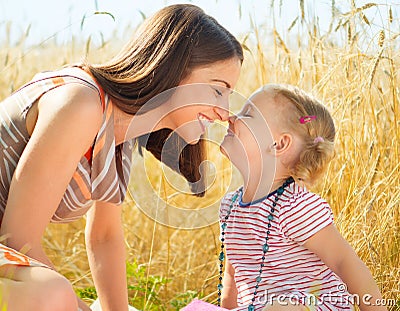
column 311, row 121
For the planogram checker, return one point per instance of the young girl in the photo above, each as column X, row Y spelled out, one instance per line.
column 283, row 250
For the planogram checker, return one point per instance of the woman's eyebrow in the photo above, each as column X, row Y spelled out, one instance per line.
column 222, row 81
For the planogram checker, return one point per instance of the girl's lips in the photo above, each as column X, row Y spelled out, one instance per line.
column 230, row 132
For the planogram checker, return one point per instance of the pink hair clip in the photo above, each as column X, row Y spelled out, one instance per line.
column 306, row 119
column 318, row 139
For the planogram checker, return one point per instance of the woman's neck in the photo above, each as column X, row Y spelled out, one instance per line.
column 128, row 127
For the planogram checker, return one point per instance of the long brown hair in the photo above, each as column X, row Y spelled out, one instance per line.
column 165, row 49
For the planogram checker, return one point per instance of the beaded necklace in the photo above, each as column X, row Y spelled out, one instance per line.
column 265, row 246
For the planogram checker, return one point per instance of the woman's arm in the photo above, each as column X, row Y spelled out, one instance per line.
column 340, row 257
column 229, row 291
column 69, row 118
column 106, row 252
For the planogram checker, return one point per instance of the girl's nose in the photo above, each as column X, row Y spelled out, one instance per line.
column 232, row 119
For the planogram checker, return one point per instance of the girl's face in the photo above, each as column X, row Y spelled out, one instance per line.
column 203, row 97
column 250, row 134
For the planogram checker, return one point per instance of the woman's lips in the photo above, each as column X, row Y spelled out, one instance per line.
column 204, row 121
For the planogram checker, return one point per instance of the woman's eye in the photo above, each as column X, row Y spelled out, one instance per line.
column 218, row 92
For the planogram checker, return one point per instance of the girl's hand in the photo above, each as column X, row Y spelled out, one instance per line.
column 229, row 291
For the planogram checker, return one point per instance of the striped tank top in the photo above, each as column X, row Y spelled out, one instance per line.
column 102, row 174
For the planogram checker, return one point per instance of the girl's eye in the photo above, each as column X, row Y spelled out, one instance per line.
column 246, row 113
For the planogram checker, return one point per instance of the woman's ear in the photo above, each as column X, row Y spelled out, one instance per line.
column 283, row 144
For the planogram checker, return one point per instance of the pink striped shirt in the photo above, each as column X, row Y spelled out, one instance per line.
column 291, row 271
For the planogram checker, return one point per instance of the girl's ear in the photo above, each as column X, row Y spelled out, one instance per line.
column 283, row 144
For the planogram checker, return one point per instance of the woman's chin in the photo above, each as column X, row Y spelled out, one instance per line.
column 193, row 142
column 191, row 139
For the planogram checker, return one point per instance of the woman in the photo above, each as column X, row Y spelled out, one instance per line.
column 66, row 139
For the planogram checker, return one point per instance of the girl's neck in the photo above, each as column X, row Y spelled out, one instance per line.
column 257, row 187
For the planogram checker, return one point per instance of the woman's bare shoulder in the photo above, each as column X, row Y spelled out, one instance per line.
column 73, row 101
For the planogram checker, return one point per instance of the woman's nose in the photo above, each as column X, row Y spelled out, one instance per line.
column 222, row 108
column 222, row 113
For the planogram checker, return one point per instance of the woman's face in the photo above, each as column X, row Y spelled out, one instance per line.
column 203, row 97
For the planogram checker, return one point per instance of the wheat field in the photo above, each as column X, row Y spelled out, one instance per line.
column 361, row 87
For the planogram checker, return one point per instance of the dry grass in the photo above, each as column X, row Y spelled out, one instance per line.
column 361, row 88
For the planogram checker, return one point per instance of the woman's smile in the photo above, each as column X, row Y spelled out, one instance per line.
column 204, row 121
